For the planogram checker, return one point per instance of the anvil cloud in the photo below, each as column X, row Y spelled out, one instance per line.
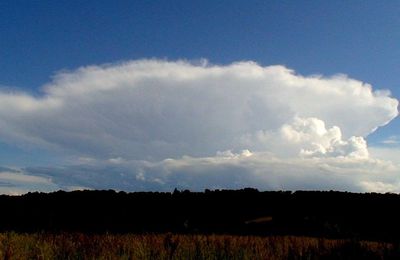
column 143, row 115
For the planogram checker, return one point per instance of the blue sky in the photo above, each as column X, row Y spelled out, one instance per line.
column 359, row 38
column 40, row 39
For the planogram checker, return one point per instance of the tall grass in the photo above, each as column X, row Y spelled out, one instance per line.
column 174, row 246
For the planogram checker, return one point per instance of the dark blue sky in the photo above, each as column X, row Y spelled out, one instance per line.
column 357, row 38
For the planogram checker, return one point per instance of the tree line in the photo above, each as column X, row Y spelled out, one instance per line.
column 248, row 211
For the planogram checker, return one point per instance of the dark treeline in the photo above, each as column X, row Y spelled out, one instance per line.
column 310, row 213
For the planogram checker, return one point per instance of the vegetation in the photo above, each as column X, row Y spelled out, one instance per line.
column 242, row 224
column 174, row 246
column 335, row 215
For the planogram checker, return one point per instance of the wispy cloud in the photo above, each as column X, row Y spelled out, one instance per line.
column 394, row 139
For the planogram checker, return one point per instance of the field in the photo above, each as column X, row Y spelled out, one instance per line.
column 174, row 246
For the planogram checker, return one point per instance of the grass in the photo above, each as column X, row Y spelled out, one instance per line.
column 176, row 246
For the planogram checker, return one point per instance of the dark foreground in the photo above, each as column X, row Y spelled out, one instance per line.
column 172, row 246
column 336, row 215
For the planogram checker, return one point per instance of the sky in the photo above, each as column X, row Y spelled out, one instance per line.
column 153, row 95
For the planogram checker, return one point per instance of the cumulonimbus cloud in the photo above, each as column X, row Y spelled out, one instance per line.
column 155, row 110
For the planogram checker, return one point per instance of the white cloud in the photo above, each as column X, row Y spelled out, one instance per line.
column 380, row 187
column 147, row 111
column 229, row 170
column 392, row 140
column 152, row 109
column 309, row 137
column 16, row 182
column 385, row 153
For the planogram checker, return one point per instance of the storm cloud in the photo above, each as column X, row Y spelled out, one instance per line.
column 151, row 113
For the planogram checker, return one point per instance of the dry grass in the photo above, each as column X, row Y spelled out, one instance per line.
column 174, row 246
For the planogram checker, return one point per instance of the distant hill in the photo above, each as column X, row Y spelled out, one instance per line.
column 332, row 214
